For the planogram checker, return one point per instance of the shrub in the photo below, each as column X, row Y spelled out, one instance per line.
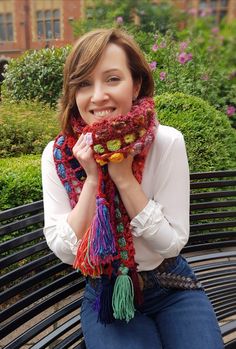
column 210, row 140
column 20, row 181
column 26, row 128
column 36, row 75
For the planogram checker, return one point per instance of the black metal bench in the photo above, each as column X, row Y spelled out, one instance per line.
column 41, row 297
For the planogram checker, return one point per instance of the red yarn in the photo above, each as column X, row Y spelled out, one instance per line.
column 111, row 139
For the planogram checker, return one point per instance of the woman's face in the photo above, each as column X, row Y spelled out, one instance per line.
column 109, row 90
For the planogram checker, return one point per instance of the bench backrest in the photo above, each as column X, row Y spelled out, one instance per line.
column 34, row 282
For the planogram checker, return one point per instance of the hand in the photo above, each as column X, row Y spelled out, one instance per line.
column 121, row 173
column 84, row 154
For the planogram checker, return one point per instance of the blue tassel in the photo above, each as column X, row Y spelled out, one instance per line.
column 105, row 314
column 102, row 247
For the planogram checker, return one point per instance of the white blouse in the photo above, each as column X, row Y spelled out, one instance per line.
column 159, row 231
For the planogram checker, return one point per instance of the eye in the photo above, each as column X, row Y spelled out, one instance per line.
column 84, row 83
column 113, row 79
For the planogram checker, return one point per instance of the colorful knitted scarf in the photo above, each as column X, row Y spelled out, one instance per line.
column 106, row 249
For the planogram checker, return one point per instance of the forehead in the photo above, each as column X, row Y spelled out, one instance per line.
column 113, row 58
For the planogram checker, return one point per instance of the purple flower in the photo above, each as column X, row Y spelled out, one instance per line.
column 230, row 110
column 119, row 20
column 162, row 75
column 153, row 65
column 183, row 45
column 155, row 47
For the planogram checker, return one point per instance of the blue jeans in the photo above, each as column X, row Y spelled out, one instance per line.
column 168, row 319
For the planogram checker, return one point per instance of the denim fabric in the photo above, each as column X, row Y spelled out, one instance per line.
column 168, row 319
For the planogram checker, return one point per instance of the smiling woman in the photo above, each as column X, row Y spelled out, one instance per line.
column 109, row 90
column 116, row 203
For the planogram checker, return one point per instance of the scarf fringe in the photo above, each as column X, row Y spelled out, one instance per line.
column 102, row 247
column 123, row 296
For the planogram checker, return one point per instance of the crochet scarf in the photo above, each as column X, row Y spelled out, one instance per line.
column 106, row 249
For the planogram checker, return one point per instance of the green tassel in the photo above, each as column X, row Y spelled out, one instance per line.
column 123, row 296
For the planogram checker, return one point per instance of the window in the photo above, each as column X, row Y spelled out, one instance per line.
column 48, row 24
column 217, row 8
column 6, row 27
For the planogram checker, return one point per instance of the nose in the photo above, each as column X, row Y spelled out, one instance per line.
column 99, row 93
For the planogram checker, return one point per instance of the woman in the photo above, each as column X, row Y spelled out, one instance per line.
column 116, row 199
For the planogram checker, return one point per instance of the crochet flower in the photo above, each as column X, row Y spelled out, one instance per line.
column 129, row 138
column 98, row 148
column 113, row 145
column 116, row 157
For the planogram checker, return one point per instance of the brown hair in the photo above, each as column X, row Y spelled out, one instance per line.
column 83, row 58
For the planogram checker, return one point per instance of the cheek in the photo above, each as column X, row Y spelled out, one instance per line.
column 79, row 102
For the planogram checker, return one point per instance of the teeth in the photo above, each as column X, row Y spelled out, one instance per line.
column 102, row 113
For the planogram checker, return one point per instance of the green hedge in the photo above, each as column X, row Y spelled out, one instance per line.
column 36, row 75
column 26, row 128
column 20, row 181
column 210, row 140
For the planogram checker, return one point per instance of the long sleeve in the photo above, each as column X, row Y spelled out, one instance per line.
column 60, row 237
column 162, row 227
column 160, row 230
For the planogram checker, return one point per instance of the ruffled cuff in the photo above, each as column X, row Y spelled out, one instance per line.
column 150, row 215
column 67, row 234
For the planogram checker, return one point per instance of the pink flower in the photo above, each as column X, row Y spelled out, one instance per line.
column 232, row 75
column 119, row 20
column 162, row 75
column 192, row 11
column 215, row 30
column 189, row 57
column 155, row 47
column 162, row 44
column 183, row 45
column 230, row 110
column 205, row 77
column 184, row 57
column 153, row 65
column 203, row 13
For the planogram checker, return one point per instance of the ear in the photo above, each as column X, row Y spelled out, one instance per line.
column 136, row 88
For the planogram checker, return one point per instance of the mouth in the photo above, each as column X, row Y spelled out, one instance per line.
column 102, row 112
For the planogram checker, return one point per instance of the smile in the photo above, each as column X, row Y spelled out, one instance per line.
column 102, row 113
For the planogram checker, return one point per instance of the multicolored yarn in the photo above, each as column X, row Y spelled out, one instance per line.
column 106, row 250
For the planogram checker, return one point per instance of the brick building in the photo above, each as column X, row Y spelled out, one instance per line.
column 35, row 24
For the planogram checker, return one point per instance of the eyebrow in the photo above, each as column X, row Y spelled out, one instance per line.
column 111, row 70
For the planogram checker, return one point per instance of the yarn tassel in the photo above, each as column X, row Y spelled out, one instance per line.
column 123, row 296
column 102, row 247
column 104, row 303
column 82, row 260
